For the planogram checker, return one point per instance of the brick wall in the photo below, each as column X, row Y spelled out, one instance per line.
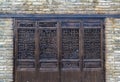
column 6, row 50
column 112, row 50
column 112, row 32
column 60, row 6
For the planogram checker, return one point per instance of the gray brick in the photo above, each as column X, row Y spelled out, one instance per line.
column 6, row 50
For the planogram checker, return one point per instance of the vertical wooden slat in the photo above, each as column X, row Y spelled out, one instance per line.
column 81, row 48
column 59, row 48
column 36, row 51
column 15, row 49
column 101, row 42
column 102, row 48
column 80, row 45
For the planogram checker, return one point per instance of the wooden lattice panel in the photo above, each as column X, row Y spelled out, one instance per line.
column 26, row 48
column 70, row 43
column 26, row 43
column 92, row 43
column 48, row 43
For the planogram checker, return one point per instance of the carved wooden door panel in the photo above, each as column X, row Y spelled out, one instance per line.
column 25, row 51
column 93, row 51
column 70, row 52
column 48, row 58
column 36, row 51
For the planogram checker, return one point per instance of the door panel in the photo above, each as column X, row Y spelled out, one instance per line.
column 48, row 76
column 25, row 57
column 25, row 76
column 92, row 56
column 70, row 62
column 93, row 76
column 70, row 76
column 48, row 53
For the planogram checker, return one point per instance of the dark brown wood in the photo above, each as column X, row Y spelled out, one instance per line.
column 70, row 62
column 25, row 76
column 81, row 47
column 103, row 48
column 59, row 51
column 59, row 48
column 48, row 62
column 25, row 52
column 36, row 52
column 93, row 52
column 15, row 50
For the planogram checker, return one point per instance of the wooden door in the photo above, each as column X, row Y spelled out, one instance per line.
column 70, row 51
column 93, row 51
column 59, row 51
column 25, row 51
column 48, row 57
